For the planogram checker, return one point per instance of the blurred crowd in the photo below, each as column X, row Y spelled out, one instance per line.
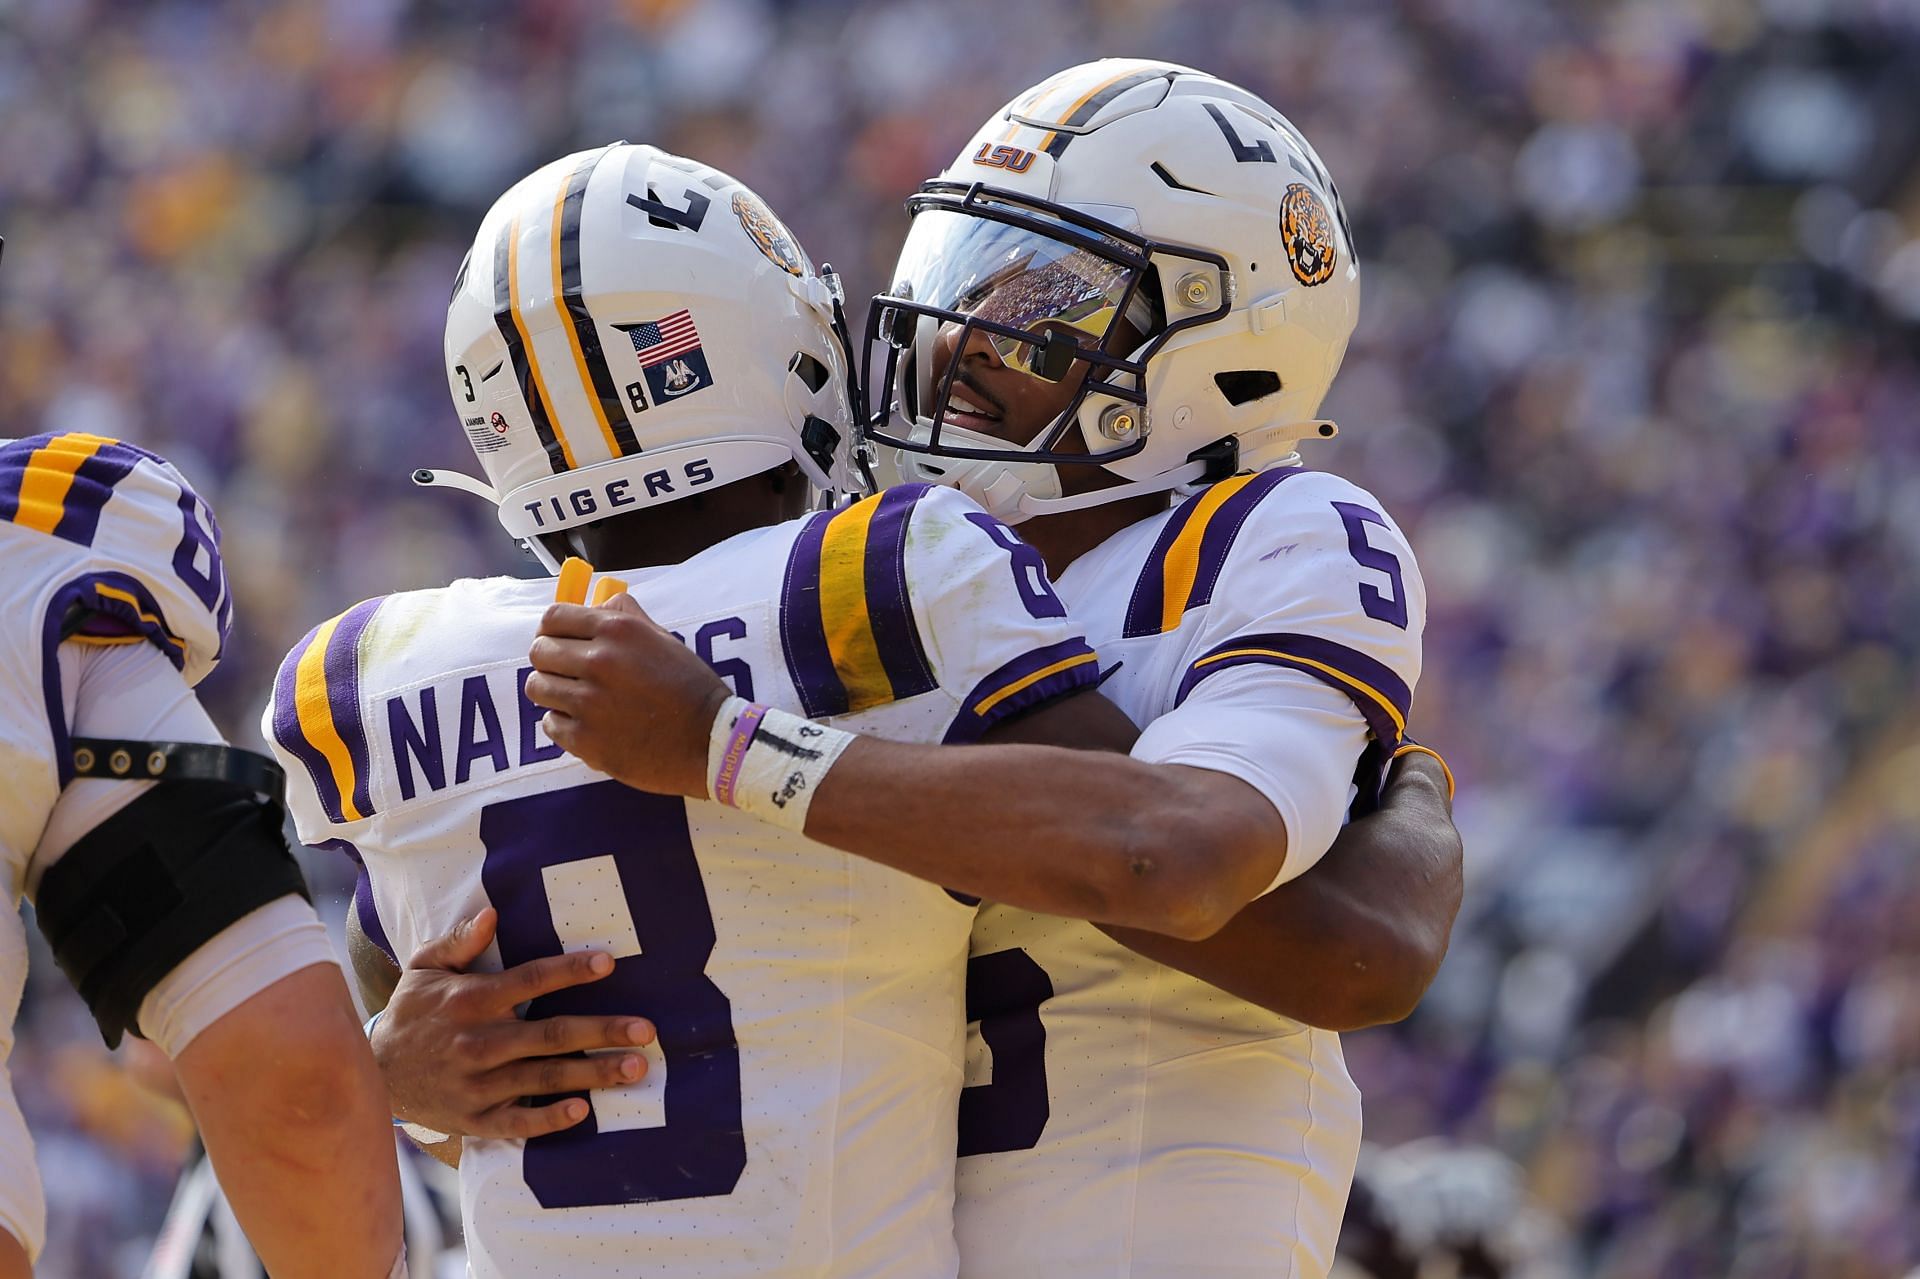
column 1638, row 369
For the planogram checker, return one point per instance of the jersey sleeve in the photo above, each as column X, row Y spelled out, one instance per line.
column 146, row 563
column 918, row 591
column 134, row 693
column 1297, row 676
column 997, row 635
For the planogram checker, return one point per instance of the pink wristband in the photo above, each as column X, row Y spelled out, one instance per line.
column 741, row 737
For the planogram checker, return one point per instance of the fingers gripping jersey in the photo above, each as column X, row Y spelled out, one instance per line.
column 799, row 1117
column 100, row 543
column 1124, row 1120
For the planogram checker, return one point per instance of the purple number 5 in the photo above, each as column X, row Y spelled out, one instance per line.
column 1385, row 608
column 640, row 841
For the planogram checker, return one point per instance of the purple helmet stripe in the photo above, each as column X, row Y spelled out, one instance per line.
column 1381, row 695
column 1068, row 665
column 287, row 730
column 343, row 696
column 803, row 637
column 889, row 604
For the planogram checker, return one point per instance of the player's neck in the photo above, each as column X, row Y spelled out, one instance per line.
column 1062, row 539
column 678, row 531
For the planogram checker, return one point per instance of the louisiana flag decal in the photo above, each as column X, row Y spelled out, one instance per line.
column 670, row 355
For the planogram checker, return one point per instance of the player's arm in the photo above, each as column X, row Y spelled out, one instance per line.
column 1075, row 832
column 177, row 910
column 1356, row 940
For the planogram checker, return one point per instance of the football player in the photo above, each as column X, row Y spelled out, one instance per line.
column 648, row 369
column 1115, row 315
column 154, row 857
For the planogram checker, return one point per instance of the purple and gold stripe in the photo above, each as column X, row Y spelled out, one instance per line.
column 803, row 639
column 59, row 484
column 1090, row 102
column 1382, row 696
column 889, row 605
column 117, row 608
column 846, row 614
column 1027, row 681
column 511, row 322
column 1184, row 565
column 316, row 713
column 569, row 299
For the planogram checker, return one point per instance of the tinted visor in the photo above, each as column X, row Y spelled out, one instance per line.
column 1013, row 278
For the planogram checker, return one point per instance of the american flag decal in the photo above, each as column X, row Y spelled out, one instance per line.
column 660, row 340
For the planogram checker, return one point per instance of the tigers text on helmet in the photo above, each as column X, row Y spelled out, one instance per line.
column 631, row 327
column 1161, row 246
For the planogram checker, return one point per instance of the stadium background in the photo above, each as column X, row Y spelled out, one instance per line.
column 1637, row 370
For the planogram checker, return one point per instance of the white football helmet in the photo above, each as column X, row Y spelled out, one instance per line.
column 1133, row 189
column 631, row 327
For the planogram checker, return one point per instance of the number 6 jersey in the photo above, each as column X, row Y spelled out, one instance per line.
column 799, row 1118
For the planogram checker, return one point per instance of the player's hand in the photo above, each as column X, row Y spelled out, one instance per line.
column 624, row 696
column 456, row 1058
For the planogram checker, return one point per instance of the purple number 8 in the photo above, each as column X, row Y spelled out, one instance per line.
column 1385, row 608
column 701, row 1149
column 1029, row 570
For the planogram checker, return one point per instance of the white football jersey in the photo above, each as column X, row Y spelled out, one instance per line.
column 101, row 543
column 1124, row 1120
column 799, row 1118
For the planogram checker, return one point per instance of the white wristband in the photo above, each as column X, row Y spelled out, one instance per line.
column 769, row 762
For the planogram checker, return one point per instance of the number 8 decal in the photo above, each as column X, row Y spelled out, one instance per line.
column 701, row 1149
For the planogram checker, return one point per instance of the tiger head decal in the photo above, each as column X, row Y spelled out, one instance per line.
column 1308, row 231
column 768, row 234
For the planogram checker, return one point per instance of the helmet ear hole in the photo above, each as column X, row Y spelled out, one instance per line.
column 810, row 370
column 1244, row 386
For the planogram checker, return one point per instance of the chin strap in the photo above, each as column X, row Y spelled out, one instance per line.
column 427, row 479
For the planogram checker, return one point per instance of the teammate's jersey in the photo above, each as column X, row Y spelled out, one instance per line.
column 800, row 1119
column 100, row 543
column 1125, row 1120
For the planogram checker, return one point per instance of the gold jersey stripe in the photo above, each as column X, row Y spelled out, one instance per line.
column 315, row 714
column 49, row 476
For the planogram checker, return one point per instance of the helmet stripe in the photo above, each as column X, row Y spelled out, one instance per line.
column 1089, row 106
column 589, row 359
column 507, row 318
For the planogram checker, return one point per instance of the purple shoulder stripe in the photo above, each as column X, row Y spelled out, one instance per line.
column 889, row 604
column 1027, row 681
column 343, row 696
column 293, row 739
column 1382, row 697
column 1224, row 527
column 803, row 639
column 1144, row 608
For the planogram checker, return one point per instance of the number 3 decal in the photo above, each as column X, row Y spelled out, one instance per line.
column 1385, row 608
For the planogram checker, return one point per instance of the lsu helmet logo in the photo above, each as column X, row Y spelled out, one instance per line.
column 1012, row 159
column 1308, row 231
column 765, row 230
